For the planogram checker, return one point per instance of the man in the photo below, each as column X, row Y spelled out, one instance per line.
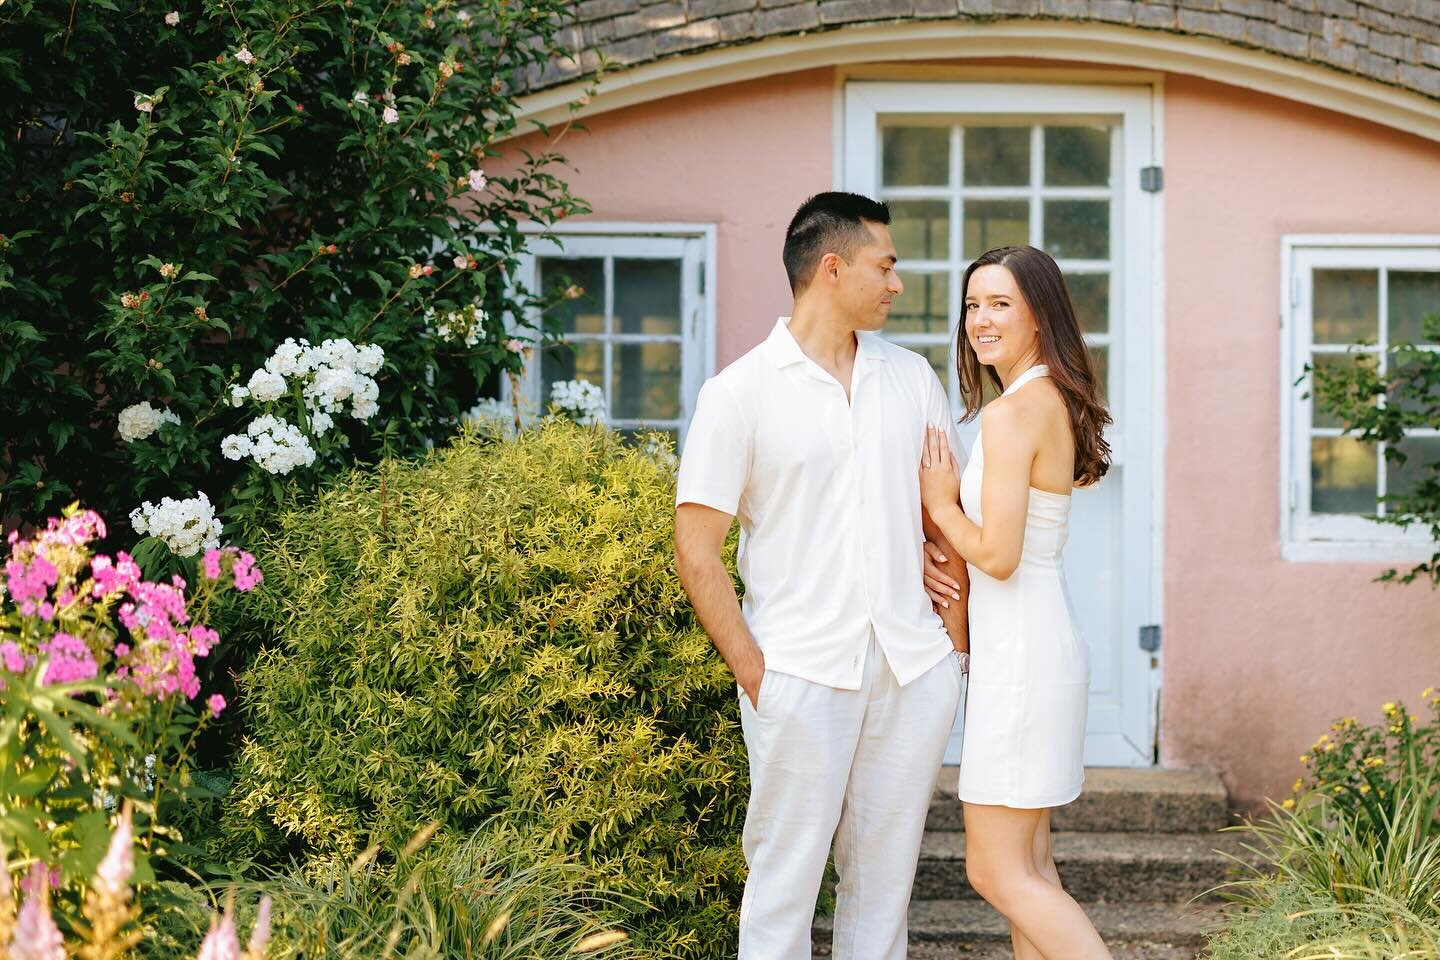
column 847, row 680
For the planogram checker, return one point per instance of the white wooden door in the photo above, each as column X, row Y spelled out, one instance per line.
column 970, row 166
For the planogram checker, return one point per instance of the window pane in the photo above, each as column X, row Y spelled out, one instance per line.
column 1343, row 476
column 647, row 296
column 1338, row 364
column 1090, row 292
column 1100, row 356
column 924, row 307
column 997, row 156
column 1420, row 453
column 1077, row 156
column 647, row 381
column 1077, row 229
column 915, row 156
column 587, row 314
column 939, row 356
column 571, row 361
column 1414, row 295
column 1347, row 305
column 921, row 229
column 995, row 223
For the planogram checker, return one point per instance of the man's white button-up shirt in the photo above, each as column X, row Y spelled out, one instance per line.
column 827, row 492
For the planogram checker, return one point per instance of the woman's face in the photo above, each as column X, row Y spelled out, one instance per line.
column 998, row 323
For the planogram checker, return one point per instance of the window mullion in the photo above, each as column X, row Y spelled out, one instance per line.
column 609, row 349
column 1037, row 174
column 1382, row 339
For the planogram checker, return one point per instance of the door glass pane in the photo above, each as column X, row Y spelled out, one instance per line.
column 1100, row 357
column 584, row 360
column 1420, row 453
column 921, row 229
column 1090, row 292
column 915, row 156
column 586, row 314
column 1347, row 305
column 1077, row 229
column 1343, row 476
column 924, row 307
column 939, row 356
column 647, row 381
column 997, row 156
column 1077, row 156
column 1337, row 363
column 995, row 223
column 647, row 296
column 1414, row 295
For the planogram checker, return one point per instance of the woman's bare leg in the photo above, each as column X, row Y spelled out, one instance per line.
column 1043, row 858
column 1000, row 862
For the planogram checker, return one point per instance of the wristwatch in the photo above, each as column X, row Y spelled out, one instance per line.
column 963, row 658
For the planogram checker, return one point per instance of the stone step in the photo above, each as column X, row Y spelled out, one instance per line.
column 1099, row 867
column 1116, row 800
column 1148, row 930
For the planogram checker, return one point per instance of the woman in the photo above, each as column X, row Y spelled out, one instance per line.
column 1030, row 670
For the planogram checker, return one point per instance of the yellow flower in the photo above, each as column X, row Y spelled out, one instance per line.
column 1295, row 788
column 1328, row 748
column 1427, row 693
column 1288, row 804
column 1339, row 789
column 1304, row 758
column 1373, row 762
column 1389, row 709
column 1397, row 728
column 1414, row 719
column 1364, row 789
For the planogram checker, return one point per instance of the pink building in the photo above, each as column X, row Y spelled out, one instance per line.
column 1233, row 187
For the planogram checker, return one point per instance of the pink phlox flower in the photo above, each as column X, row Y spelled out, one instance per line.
column 216, row 703
column 221, row 943
column 260, row 933
column 203, row 639
column 247, row 574
column 113, row 874
column 114, row 576
column 210, row 564
column 12, row 657
column 70, row 660
column 29, row 577
column 46, row 611
column 36, row 936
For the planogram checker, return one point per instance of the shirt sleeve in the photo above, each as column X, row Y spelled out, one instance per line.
column 938, row 413
column 715, row 465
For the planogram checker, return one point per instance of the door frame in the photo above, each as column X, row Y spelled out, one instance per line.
column 1137, row 331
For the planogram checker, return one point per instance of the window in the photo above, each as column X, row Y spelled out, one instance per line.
column 640, row 329
column 959, row 188
column 1340, row 291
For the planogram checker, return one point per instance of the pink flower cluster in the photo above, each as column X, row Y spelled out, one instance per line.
column 43, row 577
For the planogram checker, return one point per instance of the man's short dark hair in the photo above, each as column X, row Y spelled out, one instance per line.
column 828, row 223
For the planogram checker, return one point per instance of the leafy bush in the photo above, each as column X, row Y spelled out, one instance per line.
column 98, row 669
column 1380, row 407
column 188, row 188
column 1350, row 866
column 494, row 640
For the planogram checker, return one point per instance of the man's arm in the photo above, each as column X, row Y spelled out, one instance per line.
column 948, row 583
column 700, row 534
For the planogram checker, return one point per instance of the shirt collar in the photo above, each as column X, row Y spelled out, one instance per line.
column 784, row 350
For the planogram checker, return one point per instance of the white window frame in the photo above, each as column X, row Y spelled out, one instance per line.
column 693, row 244
column 1307, row 537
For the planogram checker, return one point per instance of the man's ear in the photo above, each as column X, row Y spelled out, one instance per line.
column 829, row 267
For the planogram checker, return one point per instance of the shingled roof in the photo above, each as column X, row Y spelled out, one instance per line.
column 1396, row 42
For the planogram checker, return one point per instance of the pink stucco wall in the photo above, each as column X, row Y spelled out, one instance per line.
column 1260, row 654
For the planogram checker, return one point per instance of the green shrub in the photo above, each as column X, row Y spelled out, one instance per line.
column 187, row 186
column 498, row 631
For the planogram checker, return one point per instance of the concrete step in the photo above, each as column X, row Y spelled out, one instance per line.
column 1098, row 867
column 1155, row 931
column 1116, row 800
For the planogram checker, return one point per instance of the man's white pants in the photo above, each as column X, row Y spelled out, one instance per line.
column 857, row 766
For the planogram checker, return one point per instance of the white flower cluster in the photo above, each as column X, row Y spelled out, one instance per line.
column 277, row 445
column 140, row 420
column 329, row 377
column 186, row 526
column 580, row 400
column 490, row 416
column 466, row 324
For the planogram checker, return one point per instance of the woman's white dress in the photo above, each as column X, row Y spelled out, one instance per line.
column 1029, row 668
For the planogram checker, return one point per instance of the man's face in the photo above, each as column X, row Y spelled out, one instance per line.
column 868, row 283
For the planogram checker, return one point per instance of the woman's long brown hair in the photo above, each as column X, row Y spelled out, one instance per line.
column 1062, row 350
